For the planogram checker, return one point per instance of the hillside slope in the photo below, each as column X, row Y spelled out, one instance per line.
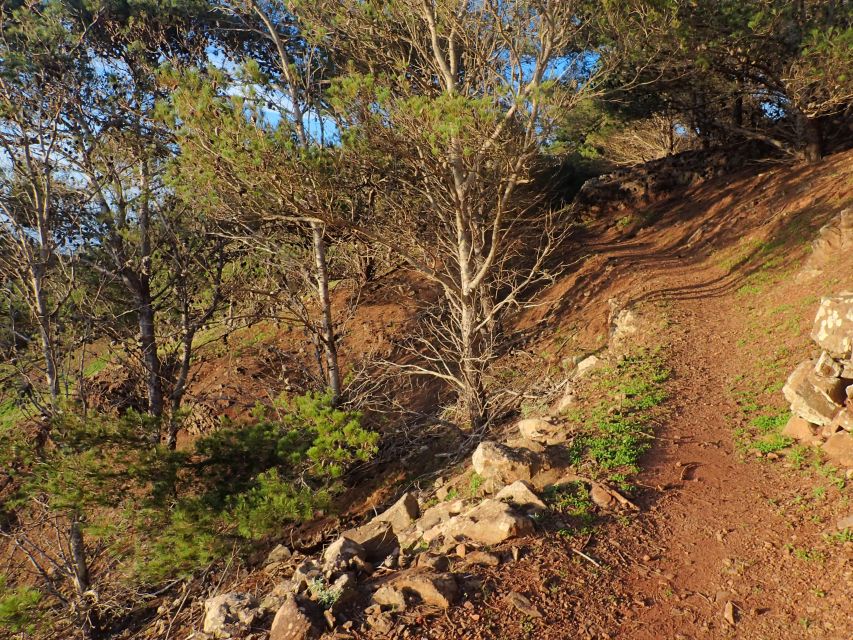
column 735, row 535
column 723, row 275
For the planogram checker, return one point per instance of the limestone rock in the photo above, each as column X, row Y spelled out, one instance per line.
column 521, row 494
column 388, row 596
column 812, row 397
column 435, row 589
column 492, row 522
column 502, row 464
column 482, row 558
column 229, row 614
column 279, row 554
column 800, row 430
column 305, row 574
column 376, row 538
column 585, row 366
column 295, row 620
column 402, row 514
column 833, row 327
column 542, row 431
column 839, row 449
column 339, row 555
column 844, row 419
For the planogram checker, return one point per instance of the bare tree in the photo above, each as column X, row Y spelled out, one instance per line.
column 450, row 103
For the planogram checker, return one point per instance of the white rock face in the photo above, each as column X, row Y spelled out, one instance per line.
column 229, row 614
column 833, row 327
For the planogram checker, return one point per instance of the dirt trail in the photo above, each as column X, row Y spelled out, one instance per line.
column 714, row 272
column 718, row 534
column 720, row 527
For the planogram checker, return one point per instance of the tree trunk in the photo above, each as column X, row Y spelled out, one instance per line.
column 179, row 389
column 328, row 333
column 474, row 395
column 88, row 618
column 811, row 138
column 150, row 359
column 47, row 346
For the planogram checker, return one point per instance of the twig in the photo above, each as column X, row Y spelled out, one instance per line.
column 585, row 557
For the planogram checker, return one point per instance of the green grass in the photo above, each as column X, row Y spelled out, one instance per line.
column 572, row 501
column 10, row 414
column 617, row 431
column 96, row 366
column 773, row 443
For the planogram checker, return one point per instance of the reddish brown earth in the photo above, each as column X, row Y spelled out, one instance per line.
column 718, row 525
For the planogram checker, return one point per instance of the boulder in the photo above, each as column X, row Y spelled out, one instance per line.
column 402, row 514
column 504, row 465
column 521, row 494
column 813, row 397
column 339, row 555
column 296, row 620
column 542, row 431
column 305, row 574
column 376, row 538
column 839, row 449
column 800, row 430
column 490, row 522
column 229, row 614
column 833, row 327
column 434, row 589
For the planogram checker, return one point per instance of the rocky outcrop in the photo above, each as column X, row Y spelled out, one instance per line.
column 820, row 390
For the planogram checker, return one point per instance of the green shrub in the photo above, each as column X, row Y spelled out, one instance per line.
column 244, row 482
column 18, row 607
column 272, row 501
